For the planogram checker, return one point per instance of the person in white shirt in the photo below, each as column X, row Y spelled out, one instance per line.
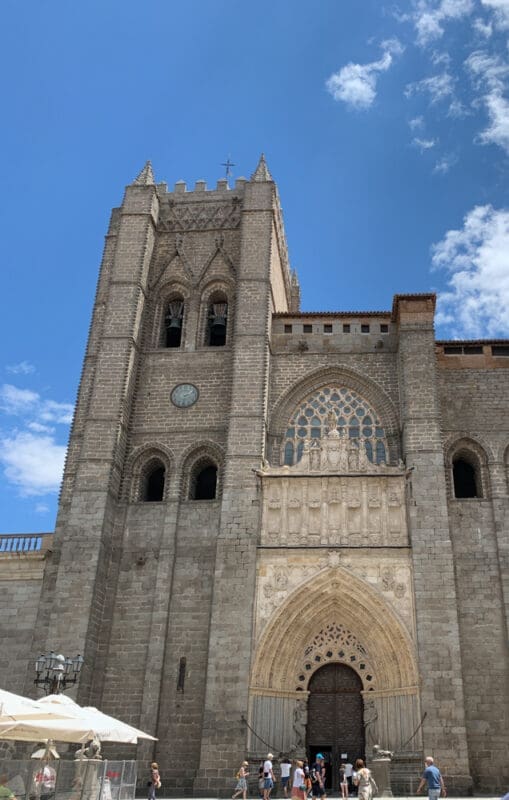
column 286, row 766
column 298, row 787
column 268, row 776
column 349, row 775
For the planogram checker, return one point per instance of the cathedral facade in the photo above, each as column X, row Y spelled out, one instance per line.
column 278, row 530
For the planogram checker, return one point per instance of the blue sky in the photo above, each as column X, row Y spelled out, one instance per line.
column 385, row 125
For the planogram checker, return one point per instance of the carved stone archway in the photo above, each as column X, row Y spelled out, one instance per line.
column 380, row 647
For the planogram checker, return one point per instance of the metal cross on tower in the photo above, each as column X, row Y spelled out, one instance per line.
column 228, row 165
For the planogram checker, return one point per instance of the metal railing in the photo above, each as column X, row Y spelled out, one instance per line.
column 24, row 543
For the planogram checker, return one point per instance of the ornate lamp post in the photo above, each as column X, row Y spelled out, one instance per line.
column 56, row 672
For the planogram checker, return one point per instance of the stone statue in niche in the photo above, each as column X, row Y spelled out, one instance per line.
column 353, row 457
column 364, row 462
column 300, row 718
column 370, row 724
column 280, row 579
column 314, row 455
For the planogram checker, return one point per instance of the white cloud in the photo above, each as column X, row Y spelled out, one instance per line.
column 430, row 17
column 417, row 123
column 24, row 402
column 17, row 401
column 32, row 463
column 492, row 73
column 438, row 87
column 31, row 457
column 355, row 84
column 500, row 10
column 424, row 144
column 485, row 29
column 444, row 164
column 476, row 302
column 23, row 368
column 41, row 508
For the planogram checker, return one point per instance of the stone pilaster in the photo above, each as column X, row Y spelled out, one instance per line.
column 439, row 654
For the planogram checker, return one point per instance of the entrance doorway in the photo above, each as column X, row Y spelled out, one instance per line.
column 335, row 725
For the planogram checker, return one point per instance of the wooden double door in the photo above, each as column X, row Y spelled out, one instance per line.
column 335, row 724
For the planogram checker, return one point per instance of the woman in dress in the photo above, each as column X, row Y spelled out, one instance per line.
column 298, row 784
column 241, row 787
column 364, row 781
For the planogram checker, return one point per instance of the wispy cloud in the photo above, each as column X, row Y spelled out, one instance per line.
column 416, row 124
column 437, row 87
column 476, row 302
column 430, row 17
column 444, row 164
column 500, row 10
column 41, row 508
column 490, row 74
column 24, row 402
column 355, row 84
column 23, row 368
column 424, row 144
column 30, row 452
column 32, row 463
column 483, row 28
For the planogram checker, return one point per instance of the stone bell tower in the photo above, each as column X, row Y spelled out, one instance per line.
column 152, row 571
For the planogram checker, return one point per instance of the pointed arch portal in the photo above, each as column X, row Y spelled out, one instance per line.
column 335, row 618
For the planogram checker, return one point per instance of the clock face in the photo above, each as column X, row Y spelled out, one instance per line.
column 184, row 395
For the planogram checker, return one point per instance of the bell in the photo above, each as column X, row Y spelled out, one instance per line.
column 218, row 319
column 174, row 323
column 173, row 319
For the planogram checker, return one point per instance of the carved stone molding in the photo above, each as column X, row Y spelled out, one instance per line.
column 348, row 510
column 200, row 216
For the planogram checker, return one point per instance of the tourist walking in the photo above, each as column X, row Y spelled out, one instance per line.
column 343, row 782
column 298, row 784
column 318, row 776
column 349, row 776
column 307, row 779
column 268, row 776
column 433, row 778
column 286, row 766
column 366, row 786
column 241, row 787
column 154, row 782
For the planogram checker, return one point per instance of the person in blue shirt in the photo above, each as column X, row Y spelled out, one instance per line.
column 433, row 778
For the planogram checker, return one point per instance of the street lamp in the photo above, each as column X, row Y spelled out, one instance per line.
column 56, row 672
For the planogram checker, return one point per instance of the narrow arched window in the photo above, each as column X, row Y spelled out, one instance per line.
column 153, row 490
column 465, row 479
column 217, row 322
column 173, row 320
column 204, row 482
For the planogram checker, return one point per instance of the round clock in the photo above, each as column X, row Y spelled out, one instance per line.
column 184, row 395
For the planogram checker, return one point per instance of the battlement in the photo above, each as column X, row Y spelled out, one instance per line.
column 201, row 192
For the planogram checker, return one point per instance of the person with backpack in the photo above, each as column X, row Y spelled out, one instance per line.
column 318, row 776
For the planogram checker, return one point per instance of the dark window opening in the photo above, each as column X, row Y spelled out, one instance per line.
column 453, row 350
column 465, row 484
column 364, row 328
column 308, row 329
column 204, row 483
column 154, row 486
column 500, row 350
column 384, row 328
column 181, row 675
column 173, row 323
column 327, row 328
column 473, row 350
column 346, row 328
column 288, row 328
column 217, row 324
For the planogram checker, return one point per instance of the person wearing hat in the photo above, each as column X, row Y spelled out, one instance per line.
column 268, row 776
column 318, row 776
column 241, row 787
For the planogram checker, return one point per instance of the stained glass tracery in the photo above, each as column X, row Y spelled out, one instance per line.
column 354, row 418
